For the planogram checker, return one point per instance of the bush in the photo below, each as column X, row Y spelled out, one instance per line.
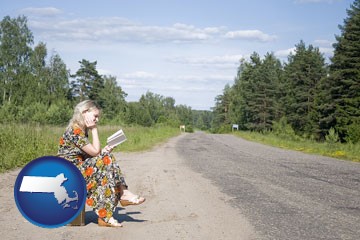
column 353, row 133
column 189, row 129
column 283, row 129
column 7, row 113
column 225, row 128
column 332, row 136
column 58, row 114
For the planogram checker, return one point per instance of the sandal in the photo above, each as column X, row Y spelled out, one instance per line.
column 136, row 200
column 112, row 223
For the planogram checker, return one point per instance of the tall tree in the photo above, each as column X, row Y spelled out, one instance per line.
column 341, row 107
column 255, row 95
column 184, row 114
column 303, row 73
column 57, row 84
column 87, row 83
column 267, row 92
column 15, row 50
column 154, row 105
column 38, row 77
column 113, row 98
column 221, row 108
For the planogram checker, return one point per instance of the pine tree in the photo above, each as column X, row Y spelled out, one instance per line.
column 221, row 108
column 88, row 83
column 244, row 102
column 342, row 107
column 303, row 73
column 255, row 95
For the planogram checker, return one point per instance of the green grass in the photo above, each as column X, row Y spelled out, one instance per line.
column 22, row 143
column 139, row 138
column 337, row 150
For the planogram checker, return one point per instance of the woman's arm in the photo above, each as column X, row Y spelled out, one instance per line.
column 93, row 149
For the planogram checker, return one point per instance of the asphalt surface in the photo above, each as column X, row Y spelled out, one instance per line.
column 284, row 194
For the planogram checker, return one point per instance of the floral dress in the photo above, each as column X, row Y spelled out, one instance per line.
column 102, row 175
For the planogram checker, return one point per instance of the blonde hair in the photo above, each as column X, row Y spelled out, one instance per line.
column 77, row 119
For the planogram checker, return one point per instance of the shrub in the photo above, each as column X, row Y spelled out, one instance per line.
column 332, row 136
column 283, row 129
column 58, row 114
column 189, row 129
column 353, row 133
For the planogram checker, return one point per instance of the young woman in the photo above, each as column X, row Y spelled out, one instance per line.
column 106, row 185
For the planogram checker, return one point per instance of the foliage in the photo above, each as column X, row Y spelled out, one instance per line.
column 336, row 150
column 283, row 129
column 332, row 137
column 312, row 96
column 15, row 52
column 253, row 100
column 202, row 119
column 303, row 73
column 340, row 106
column 87, row 82
column 21, row 143
column 353, row 132
column 189, row 129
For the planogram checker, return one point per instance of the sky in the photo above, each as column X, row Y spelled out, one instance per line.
column 184, row 49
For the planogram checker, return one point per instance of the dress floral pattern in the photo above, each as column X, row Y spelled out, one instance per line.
column 102, row 175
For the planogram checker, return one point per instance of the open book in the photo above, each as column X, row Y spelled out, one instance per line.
column 116, row 139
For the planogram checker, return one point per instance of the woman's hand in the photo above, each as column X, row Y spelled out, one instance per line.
column 107, row 149
column 90, row 120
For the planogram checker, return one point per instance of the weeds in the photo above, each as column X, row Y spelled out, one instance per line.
column 331, row 148
column 22, row 143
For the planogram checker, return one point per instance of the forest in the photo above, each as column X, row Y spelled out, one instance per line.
column 307, row 95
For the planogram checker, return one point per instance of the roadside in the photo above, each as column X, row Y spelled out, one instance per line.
column 180, row 204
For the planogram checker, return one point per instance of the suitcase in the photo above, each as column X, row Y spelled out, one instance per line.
column 79, row 220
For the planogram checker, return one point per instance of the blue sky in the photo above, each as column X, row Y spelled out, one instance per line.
column 185, row 49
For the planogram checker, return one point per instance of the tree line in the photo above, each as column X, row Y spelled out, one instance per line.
column 40, row 89
column 305, row 93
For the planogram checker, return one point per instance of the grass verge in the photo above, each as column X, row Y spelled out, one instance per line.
column 337, row 150
column 22, row 143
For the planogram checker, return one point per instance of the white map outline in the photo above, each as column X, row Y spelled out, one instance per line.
column 40, row 184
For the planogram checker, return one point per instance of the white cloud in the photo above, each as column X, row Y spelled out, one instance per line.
column 285, row 52
column 42, row 12
column 142, row 79
column 139, row 75
column 322, row 42
column 119, row 29
column 327, row 51
column 197, row 91
column 325, row 47
column 223, row 61
column 250, row 35
column 104, row 71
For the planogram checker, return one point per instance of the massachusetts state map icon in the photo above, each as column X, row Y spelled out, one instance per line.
column 50, row 192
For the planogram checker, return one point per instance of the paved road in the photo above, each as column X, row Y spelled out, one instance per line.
column 284, row 194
